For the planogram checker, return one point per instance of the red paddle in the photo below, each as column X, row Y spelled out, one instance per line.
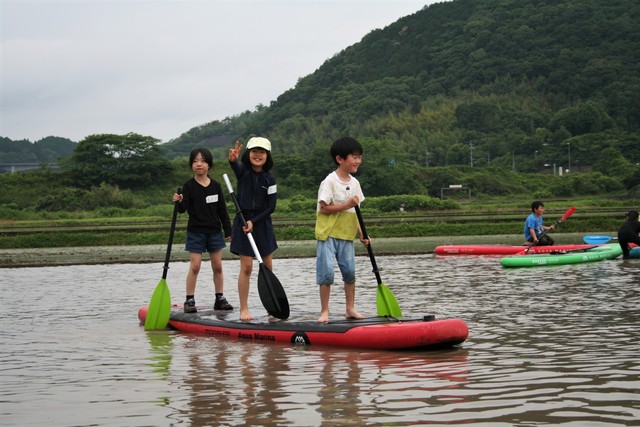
column 566, row 215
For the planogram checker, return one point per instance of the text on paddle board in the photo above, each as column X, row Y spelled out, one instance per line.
column 256, row 336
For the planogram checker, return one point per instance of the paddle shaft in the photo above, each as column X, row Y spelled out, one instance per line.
column 365, row 236
column 159, row 310
column 568, row 251
column 167, row 257
column 544, row 233
column 386, row 302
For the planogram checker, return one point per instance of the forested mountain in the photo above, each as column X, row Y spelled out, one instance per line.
column 461, row 92
column 49, row 149
column 521, row 85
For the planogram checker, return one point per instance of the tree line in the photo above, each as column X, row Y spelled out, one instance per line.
column 130, row 172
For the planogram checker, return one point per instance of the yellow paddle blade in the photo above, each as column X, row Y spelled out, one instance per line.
column 159, row 308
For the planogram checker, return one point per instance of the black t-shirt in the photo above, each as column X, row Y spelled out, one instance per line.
column 206, row 208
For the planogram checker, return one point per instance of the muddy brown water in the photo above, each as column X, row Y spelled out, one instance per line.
column 547, row 346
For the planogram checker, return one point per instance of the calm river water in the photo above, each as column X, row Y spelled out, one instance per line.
column 547, row 346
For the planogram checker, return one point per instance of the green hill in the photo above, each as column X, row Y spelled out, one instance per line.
column 518, row 85
column 49, row 149
column 499, row 96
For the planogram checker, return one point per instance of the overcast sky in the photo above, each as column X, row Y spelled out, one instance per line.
column 161, row 67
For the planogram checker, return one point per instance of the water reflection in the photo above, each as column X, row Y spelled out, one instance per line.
column 247, row 383
column 160, row 351
column 160, row 346
column 554, row 345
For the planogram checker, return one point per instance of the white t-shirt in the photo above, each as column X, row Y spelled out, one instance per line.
column 344, row 224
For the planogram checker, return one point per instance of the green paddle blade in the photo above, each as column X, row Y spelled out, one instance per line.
column 386, row 303
column 159, row 308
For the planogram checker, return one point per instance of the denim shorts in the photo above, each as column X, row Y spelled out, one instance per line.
column 328, row 252
column 204, row 242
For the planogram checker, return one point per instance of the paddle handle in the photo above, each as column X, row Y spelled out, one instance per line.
column 172, row 230
column 239, row 212
column 365, row 236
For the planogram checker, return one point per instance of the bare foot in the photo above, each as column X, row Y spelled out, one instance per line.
column 353, row 314
column 245, row 315
column 324, row 317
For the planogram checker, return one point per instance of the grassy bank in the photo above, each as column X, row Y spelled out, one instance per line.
column 34, row 257
column 93, row 239
column 142, row 232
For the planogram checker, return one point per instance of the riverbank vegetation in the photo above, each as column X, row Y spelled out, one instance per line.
column 386, row 217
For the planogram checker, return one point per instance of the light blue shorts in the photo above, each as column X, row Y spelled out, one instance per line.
column 204, row 242
column 328, row 252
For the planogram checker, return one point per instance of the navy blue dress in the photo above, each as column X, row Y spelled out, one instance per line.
column 257, row 196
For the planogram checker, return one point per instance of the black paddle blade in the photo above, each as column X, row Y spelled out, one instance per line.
column 272, row 293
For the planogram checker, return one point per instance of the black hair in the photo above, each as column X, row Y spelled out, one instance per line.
column 206, row 155
column 535, row 205
column 632, row 215
column 344, row 146
column 268, row 164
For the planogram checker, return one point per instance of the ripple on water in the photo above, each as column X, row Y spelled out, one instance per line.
column 550, row 345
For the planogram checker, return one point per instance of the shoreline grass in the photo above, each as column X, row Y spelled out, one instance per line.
column 138, row 254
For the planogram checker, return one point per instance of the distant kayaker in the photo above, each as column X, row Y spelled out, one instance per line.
column 629, row 233
column 534, row 228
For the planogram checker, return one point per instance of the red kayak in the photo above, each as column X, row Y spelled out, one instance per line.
column 377, row 333
column 505, row 249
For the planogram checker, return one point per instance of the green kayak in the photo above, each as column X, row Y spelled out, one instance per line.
column 600, row 253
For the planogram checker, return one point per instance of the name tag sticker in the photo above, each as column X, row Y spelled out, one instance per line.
column 212, row 199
